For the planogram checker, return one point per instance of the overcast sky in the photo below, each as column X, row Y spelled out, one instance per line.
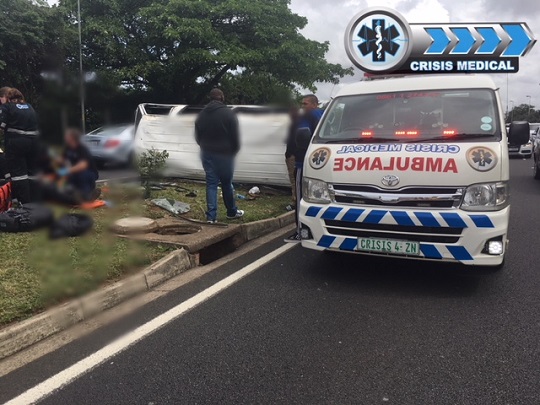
column 329, row 18
column 328, row 21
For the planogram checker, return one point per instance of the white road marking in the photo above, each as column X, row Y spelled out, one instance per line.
column 70, row 374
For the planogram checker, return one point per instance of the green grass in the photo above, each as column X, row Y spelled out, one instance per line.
column 271, row 203
column 36, row 273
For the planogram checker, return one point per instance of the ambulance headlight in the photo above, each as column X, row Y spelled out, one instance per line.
column 486, row 197
column 315, row 191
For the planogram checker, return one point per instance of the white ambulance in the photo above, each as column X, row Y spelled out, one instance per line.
column 412, row 167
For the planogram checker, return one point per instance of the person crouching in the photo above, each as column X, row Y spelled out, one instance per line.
column 78, row 168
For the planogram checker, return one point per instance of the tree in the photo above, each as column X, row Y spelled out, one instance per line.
column 178, row 50
column 522, row 113
column 31, row 41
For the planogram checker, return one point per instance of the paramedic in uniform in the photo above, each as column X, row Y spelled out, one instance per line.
column 19, row 122
column 3, row 100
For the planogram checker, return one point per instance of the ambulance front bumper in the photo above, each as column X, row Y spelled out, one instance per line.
column 446, row 235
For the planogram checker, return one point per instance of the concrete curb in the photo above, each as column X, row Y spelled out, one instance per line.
column 19, row 336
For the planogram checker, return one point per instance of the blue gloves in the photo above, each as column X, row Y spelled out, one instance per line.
column 62, row 172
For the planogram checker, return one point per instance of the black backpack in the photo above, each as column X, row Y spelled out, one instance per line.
column 28, row 218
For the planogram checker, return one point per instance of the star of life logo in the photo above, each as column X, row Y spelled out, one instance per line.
column 378, row 40
column 482, row 159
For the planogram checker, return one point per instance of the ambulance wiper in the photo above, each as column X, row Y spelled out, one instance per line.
column 456, row 137
column 361, row 140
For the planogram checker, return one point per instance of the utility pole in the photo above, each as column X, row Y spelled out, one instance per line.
column 529, row 110
column 81, row 72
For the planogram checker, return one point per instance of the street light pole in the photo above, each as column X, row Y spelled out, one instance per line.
column 512, row 112
column 529, row 110
column 81, row 72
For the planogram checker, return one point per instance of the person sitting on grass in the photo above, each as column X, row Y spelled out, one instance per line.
column 78, row 168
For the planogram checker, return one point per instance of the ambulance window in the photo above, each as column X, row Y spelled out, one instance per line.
column 424, row 115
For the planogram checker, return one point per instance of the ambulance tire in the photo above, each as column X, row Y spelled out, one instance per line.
column 536, row 170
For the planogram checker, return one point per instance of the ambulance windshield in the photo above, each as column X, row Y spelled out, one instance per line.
column 423, row 116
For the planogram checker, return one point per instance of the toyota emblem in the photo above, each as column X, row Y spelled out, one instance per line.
column 390, row 180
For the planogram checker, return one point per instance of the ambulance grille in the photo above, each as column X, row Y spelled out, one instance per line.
column 398, row 232
column 409, row 197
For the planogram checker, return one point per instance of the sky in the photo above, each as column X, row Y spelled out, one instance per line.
column 328, row 19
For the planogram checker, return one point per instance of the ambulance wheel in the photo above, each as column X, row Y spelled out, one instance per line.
column 536, row 170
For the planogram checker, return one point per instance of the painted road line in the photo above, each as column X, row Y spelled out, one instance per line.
column 80, row 368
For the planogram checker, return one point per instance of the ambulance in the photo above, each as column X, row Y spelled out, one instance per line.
column 411, row 167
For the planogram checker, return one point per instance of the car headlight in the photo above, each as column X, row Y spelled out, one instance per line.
column 315, row 191
column 486, row 197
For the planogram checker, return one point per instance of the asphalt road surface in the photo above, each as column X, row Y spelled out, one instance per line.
column 111, row 173
column 304, row 328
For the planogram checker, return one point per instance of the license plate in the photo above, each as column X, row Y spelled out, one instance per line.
column 395, row 247
column 514, row 149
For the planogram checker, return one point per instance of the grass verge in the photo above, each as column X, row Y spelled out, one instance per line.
column 36, row 273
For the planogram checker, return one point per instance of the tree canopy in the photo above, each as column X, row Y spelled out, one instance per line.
column 170, row 51
column 180, row 49
column 31, row 41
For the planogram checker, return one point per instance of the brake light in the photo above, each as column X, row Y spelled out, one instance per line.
column 112, row 143
column 411, row 134
column 366, row 134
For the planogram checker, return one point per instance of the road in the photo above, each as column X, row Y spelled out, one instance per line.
column 304, row 328
column 116, row 173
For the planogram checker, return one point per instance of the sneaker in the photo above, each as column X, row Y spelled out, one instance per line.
column 294, row 238
column 210, row 222
column 290, row 207
column 239, row 214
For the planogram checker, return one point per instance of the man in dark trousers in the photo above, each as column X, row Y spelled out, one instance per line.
column 217, row 133
column 19, row 122
column 309, row 118
column 79, row 169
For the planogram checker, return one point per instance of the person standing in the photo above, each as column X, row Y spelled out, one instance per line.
column 217, row 134
column 19, row 122
column 290, row 152
column 310, row 116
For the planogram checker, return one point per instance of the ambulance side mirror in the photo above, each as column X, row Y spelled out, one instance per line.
column 303, row 138
column 519, row 133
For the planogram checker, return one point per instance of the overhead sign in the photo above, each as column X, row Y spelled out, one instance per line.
column 380, row 40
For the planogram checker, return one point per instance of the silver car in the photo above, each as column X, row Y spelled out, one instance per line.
column 111, row 144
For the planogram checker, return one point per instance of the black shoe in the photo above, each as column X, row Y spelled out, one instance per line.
column 294, row 238
column 290, row 207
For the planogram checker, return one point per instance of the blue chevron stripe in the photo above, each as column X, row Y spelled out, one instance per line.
column 454, row 220
column 402, row 218
column 465, row 40
column 326, row 241
column 430, row 252
column 352, row 215
column 375, row 217
column 331, row 213
column 491, row 41
column 482, row 221
column 349, row 244
column 459, row 253
column 440, row 41
column 520, row 40
column 427, row 219
column 313, row 212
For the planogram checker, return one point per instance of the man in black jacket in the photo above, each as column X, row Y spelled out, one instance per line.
column 217, row 133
